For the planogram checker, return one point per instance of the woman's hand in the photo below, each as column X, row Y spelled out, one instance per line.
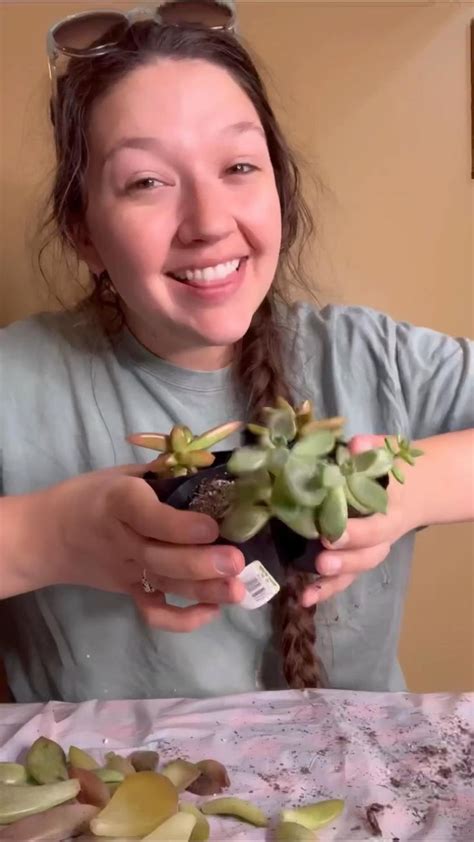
column 421, row 501
column 103, row 528
column 366, row 542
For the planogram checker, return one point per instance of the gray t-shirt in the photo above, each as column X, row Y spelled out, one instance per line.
column 69, row 399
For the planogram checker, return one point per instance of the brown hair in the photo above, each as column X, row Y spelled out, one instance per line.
column 258, row 359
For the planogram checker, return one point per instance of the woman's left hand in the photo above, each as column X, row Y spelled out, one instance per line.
column 366, row 542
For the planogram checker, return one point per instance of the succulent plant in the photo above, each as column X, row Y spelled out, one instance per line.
column 302, row 473
column 182, row 453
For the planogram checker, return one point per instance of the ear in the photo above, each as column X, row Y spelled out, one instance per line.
column 86, row 249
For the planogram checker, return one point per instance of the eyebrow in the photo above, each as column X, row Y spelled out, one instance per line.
column 153, row 144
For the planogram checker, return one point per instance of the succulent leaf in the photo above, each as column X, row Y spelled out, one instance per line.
column 298, row 518
column 398, row 474
column 331, row 476
column 332, row 424
column 318, row 443
column 343, row 454
column 152, row 441
column 241, row 524
column 303, row 483
column 333, row 515
column 276, row 459
column 354, row 502
column 368, row 492
column 247, row 459
column 178, row 440
column 212, row 437
column 196, row 459
column 282, row 425
column 373, row 463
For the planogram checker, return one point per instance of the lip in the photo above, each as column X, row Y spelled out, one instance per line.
column 215, row 293
column 205, row 264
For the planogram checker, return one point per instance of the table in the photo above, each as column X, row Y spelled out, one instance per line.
column 410, row 753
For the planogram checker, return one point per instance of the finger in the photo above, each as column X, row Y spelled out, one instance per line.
column 359, row 444
column 351, row 561
column 158, row 614
column 363, row 532
column 133, row 501
column 201, row 563
column 212, row 591
column 325, row 588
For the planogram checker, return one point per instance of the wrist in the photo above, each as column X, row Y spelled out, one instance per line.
column 30, row 547
column 439, row 489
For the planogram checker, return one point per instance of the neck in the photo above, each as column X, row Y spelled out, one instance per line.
column 187, row 353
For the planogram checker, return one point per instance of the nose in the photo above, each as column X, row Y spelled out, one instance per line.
column 206, row 215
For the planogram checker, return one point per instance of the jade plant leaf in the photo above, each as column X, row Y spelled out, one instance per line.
column 368, row 492
column 333, row 515
column 241, row 524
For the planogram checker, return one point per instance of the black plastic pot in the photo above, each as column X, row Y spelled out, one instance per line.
column 179, row 491
column 276, row 540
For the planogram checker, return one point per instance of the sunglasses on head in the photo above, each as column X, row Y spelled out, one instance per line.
column 90, row 34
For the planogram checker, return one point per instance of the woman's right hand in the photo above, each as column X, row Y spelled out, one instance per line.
column 102, row 529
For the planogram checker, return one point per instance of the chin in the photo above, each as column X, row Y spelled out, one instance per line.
column 223, row 330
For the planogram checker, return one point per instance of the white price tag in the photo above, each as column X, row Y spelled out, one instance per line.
column 260, row 585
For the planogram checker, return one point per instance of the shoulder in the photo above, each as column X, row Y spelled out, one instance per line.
column 50, row 338
column 342, row 328
column 364, row 330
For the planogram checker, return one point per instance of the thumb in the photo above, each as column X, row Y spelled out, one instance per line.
column 361, row 443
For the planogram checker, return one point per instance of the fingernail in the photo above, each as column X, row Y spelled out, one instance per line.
column 225, row 565
column 341, row 542
column 330, row 565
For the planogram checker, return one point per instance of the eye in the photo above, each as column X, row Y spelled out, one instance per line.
column 242, row 169
column 146, row 183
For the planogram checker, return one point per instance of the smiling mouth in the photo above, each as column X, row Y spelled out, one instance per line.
column 210, row 275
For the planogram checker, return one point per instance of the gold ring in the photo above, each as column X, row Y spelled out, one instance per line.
column 146, row 584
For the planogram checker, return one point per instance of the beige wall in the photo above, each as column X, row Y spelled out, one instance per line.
column 376, row 96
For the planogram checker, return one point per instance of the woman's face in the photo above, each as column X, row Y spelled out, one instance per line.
column 183, row 210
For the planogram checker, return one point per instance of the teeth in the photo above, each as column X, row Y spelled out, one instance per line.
column 210, row 274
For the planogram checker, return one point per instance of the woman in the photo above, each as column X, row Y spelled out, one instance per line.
column 175, row 186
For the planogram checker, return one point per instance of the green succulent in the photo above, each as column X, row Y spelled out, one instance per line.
column 303, row 474
column 182, row 453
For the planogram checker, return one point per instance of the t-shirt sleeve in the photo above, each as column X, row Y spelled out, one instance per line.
column 435, row 373
column 385, row 376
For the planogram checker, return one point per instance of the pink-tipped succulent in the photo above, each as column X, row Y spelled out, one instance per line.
column 182, row 453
